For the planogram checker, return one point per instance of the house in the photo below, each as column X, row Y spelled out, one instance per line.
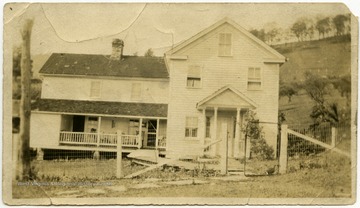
column 190, row 102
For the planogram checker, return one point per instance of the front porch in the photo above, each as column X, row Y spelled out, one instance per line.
column 100, row 132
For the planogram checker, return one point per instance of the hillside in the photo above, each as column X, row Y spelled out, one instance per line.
column 329, row 56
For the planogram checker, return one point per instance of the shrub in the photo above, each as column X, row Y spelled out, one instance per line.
column 259, row 148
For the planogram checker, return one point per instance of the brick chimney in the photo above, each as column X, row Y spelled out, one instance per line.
column 117, row 49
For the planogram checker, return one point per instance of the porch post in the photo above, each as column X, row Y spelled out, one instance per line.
column 98, row 131
column 237, row 134
column 157, row 133
column 140, row 133
column 204, row 131
column 213, row 148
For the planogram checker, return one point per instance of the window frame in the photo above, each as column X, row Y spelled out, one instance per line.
column 254, row 79
column 194, row 77
column 223, row 46
column 189, row 129
column 93, row 88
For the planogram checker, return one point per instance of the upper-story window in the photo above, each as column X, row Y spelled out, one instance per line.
column 225, row 44
column 136, row 91
column 194, row 77
column 95, row 89
column 191, row 127
column 254, row 78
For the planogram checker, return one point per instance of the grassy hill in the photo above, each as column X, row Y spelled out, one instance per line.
column 329, row 56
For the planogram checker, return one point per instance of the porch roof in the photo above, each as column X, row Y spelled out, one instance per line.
column 102, row 107
column 227, row 97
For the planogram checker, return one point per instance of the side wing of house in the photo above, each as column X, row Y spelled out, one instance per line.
column 87, row 99
column 215, row 78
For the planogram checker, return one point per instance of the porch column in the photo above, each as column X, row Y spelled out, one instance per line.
column 204, row 131
column 98, row 131
column 157, row 133
column 237, row 134
column 140, row 133
column 213, row 148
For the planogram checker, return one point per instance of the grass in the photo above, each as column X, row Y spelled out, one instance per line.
column 328, row 176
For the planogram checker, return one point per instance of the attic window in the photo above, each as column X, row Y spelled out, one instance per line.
column 95, row 89
column 225, row 44
column 194, row 77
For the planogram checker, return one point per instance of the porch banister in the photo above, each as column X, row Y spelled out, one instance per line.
column 237, row 133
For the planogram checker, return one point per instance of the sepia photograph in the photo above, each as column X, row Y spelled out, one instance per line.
column 179, row 104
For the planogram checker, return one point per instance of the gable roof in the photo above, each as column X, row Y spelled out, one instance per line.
column 102, row 65
column 235, row 25
column 247, row 101
column 101, row 107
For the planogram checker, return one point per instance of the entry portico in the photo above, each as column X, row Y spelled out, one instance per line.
column 224, row 108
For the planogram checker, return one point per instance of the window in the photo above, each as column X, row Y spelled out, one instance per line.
column 254, row 78
column 207, row 133
column 136, row 91
column 225, row 44
column 95, row 89
column 191, row 127
column 194, row 77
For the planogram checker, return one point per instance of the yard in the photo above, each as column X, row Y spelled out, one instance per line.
column 322, row 176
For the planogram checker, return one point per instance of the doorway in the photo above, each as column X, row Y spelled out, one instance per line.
column 78, row 123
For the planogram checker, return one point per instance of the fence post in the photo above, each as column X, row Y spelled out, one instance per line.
column 333, row 137
column 283, row 149
column 119, row 155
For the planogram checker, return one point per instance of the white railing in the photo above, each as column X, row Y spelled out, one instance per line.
column 82, row 138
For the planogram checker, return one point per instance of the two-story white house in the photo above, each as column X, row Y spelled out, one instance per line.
column 186, row 102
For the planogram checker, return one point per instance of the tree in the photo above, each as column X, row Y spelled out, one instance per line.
column 149, row 53
column 323, row 26
column 339, row 23
column 258, row 33
column 288, row 90
column 317, row 87
column 23, row 166
column 272, row 30
column 299, row 29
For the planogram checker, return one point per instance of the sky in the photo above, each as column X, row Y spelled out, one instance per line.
column 90, row 28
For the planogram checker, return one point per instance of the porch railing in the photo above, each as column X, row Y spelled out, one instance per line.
column 95, row 139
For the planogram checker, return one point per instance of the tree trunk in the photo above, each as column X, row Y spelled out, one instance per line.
column 25, row 105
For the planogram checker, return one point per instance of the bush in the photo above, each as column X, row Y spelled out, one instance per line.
column 259, row 148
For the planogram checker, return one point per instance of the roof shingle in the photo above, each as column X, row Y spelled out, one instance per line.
column 102, row 107
column 102, row 65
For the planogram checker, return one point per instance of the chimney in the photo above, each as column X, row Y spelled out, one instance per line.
column 117, row 49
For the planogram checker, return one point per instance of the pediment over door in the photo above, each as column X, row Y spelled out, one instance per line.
column 227, row 97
